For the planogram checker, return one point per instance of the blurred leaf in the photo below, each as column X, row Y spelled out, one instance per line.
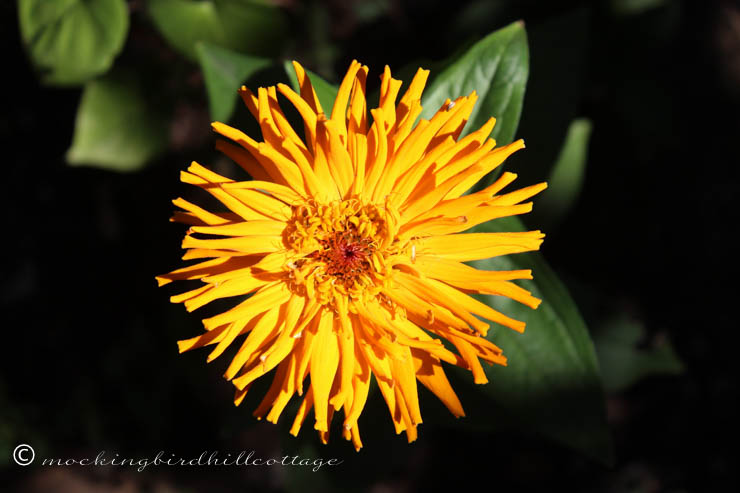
column 71, row 41
column 622, row 361
column 566, row 177
column 225, row 71
column 496, row 68
column 552, row 383
column 116, row 128
column 326, row 92
column 246, row 26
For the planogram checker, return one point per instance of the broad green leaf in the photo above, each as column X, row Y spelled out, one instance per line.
column 246, row 26
column 552, row 382
column 325, row 91
column 623, row 363
column 116, row 128
column 566, row 177
column 71, row 41
column 496, row 68
column 225, row 71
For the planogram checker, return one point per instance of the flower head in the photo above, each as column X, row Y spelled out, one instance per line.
column 347, row 244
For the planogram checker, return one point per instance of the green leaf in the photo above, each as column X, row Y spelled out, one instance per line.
column 496, row 68
column 325, row 91
column 623, row 363
column 116, row 128
column 225, row 71
column 566, row 177
column 552, row 382
column 246, row 26
column 71, row 41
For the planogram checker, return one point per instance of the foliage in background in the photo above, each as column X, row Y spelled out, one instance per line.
column 71, row 41
column 247, row 26
column 223, row 70
column 566, row 176
column 626, row 358
column 117, row 127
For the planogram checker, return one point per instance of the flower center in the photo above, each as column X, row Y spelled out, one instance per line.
column 343, row 247
column 345, row 254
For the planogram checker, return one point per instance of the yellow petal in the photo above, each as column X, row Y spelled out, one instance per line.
column 476, row 246
column 265, row 327
column 267, row 297
column 244, row 228
column 430, row 373
column 324, row 363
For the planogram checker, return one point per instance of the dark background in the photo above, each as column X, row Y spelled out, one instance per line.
column 89, row 360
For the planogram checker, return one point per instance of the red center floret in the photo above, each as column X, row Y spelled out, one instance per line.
column 345, row 255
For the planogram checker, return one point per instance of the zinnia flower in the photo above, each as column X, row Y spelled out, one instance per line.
column 347, row 244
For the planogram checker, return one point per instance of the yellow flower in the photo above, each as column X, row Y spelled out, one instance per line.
column 348, row 243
